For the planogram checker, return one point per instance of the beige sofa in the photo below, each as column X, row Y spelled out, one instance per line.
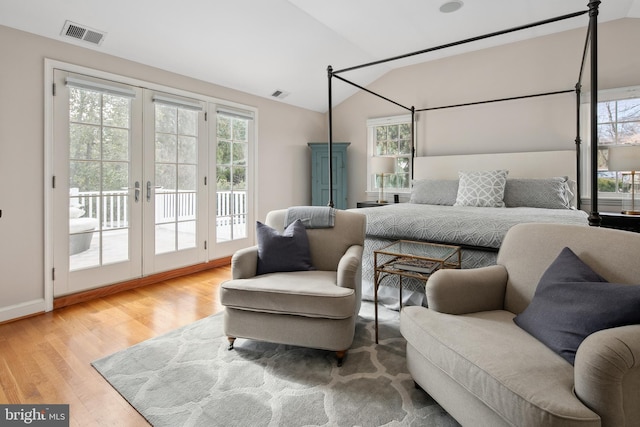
column 466, row 351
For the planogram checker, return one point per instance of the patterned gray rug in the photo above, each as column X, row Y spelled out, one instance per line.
column 187, row 377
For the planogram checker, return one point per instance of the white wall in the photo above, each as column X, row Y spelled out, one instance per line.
column 537, row 65
column 283, row 163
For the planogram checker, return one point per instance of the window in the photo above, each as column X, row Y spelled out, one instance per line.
column 390, row 137
column 232, row 151
column 618, row 124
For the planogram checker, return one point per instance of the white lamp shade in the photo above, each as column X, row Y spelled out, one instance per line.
column 383, row 164
column 624, row 158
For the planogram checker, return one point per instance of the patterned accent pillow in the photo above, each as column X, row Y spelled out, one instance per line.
column 481, row 188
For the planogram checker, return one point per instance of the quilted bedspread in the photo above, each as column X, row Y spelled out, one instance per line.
column 459, row 225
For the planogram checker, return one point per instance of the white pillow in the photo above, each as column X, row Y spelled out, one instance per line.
column 481, row 188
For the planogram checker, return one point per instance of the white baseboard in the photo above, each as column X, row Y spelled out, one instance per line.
column 21, row 310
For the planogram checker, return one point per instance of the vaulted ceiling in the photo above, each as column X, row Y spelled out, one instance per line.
column 261, row 46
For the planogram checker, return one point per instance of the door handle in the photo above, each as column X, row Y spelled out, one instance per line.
column 148, row 191
column 136, row 193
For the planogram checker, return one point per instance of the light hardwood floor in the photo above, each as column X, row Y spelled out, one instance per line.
column 46, row 359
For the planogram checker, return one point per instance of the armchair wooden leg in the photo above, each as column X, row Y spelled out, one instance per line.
column 231, row 340
column 340, row 355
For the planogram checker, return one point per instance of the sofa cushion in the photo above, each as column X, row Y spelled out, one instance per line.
column 304, row 293
column 481, row 188
column 572, row 301
column 500, row 364
column 288, row 251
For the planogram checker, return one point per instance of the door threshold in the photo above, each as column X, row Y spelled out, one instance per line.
column 103, row 291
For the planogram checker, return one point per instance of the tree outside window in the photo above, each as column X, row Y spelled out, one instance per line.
column 618, row 124
column 391, row 137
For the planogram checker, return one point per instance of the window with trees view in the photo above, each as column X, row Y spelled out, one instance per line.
column 231, row 174
column 99, row 164
column 391, row 137
column 618, row 124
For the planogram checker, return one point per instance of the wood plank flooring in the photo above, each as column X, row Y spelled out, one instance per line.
column 46, row 359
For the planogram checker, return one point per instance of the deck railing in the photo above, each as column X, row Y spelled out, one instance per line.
column 115, row 208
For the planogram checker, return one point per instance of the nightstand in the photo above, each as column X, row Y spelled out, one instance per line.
column 620, row 221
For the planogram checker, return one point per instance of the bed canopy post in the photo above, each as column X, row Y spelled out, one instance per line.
column 413, row 139
column 330, row 142
column 578, row 144
column 594, row 216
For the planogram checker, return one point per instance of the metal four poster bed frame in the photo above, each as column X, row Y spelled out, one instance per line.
column 590, row 47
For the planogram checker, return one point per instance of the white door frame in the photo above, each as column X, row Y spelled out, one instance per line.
column 213, row 250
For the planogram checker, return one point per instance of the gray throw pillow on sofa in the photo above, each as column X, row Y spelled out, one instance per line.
column 572, row 301
column 288, row 251
column 434, row 191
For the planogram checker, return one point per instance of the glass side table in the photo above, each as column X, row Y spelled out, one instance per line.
column 406, row 258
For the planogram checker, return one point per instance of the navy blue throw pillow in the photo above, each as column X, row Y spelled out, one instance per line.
column 572, row 301
column 288, row 251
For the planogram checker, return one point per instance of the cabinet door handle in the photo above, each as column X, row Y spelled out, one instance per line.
column 148, row 191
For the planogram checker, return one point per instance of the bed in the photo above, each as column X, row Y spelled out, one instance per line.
column 538, row 187
column 589, row 57
column 479, row 230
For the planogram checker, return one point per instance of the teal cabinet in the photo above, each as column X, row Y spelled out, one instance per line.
column 320, row 174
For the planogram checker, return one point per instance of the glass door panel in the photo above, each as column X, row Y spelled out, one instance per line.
column 99, row 164
column 231, row 178
column 176, row 175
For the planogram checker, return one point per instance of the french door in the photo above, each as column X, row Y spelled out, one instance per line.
column 129, row 195
column 174, row 186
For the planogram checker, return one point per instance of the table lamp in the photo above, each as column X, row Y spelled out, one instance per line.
column 626, row 158
column 382, row 165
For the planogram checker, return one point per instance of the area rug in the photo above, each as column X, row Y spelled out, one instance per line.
column 187, row 377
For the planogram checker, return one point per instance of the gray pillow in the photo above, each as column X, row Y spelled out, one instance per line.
column 434, row 191
column 550, row 193
column 572, row 301
column 481, row 188
column 288, row 251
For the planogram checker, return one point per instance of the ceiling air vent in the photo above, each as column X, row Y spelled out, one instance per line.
column 82, row 32
column 280, row 94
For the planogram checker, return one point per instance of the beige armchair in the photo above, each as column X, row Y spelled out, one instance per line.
column 467, row 352
column 316, row 308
